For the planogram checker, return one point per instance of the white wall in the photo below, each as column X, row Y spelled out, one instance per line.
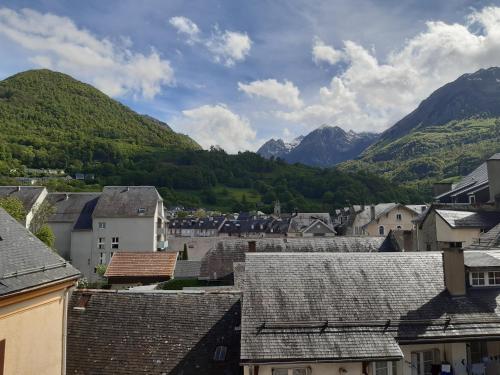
column 354, row 368
column 81, row 253
column 62, row 232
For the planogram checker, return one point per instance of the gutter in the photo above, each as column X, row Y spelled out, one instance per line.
column 306, row 361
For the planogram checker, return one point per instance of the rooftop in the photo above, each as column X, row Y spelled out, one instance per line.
column 333, row 306
column 127, row 201
column 470, row 219
column 153, row 333
column 26, row 194
column 25, row 261
column 73, row 208
column 141, row 264
column 187, row 269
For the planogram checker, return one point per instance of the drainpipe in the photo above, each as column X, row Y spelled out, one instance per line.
column 65, row 328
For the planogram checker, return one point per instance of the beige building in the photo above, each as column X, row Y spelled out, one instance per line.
column 395, row 218
column 35, row 284
column 439, row 227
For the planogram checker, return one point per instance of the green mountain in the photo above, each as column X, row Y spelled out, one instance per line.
column 49, row 120
column 448, row 135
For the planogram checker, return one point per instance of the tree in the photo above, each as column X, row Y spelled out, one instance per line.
column 100, row 269
column 185, row 253
column 46, row 235
column 14, row 208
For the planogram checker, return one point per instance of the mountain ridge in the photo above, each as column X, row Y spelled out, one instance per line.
column 325, row 146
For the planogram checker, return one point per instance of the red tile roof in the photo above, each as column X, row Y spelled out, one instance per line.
column 124, row 263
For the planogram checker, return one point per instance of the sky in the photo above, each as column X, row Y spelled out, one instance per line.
column 236, row 73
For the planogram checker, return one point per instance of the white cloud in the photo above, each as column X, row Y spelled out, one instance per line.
column 373, row 95
column 57, row 43
column 185, row 26
column 285, row 93
column 217, row 125
column 325, row 53
column 227, row 47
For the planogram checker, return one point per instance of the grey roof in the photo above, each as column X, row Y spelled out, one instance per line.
column 477, row 177
column 26, row 194
column 487, row 241
column 25, row 261
column 482, row 259
column 334, row 306
column 187, row 269
column 495, row 157
column 363, row 214
column 301, row 221
column 73, row 208
column 218, row 261
column 470, row 219
column 197, row 223
column 125, row 201
column 153, row 333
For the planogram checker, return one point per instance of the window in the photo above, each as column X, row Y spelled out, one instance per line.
column 114, row 242
column 381, row 230
column 477, row 278
column 292, row 371
column 141, row 210
column 102, row 225
column 422, row 361
column 101, row 243
column 385, row 368
column 428, row 247
column 102, row 258
column 478, row 351
column 494, row 278
column 220, row 353
column 399, row 217
column 399, row 227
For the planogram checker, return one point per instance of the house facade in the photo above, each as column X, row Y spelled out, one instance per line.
column 412, row 314
column 35, row 285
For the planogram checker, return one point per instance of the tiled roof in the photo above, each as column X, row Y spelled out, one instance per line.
column 26, row 194
column 470, row 219
column 138, row 264
column 187, row 269
column 487, row 241
column 196, row 223
column 153, row 333
column 481, row 259
column 218, row 261
column 127, row 201
column 72, row 208
column 25, row 261
column 334, row 296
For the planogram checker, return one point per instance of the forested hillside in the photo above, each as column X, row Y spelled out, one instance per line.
column 50, row 120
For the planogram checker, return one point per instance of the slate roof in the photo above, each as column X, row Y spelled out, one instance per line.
column 125, row 201
column 218, row 261
column 249, row 225
column 481, row 259
column 197, row 223
column 301, row 221
column 187, row 269
column 26, row 194
column 363, row 214
column 487, row 241
column 25, row 261
column 472, row 181
column 470, row 219
column 141, row 264
column 73, row 208
column 339, row 306
column 153, row 333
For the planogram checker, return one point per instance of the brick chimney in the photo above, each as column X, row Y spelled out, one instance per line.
column 252, row 246
column 454, row 269
column 493, row 165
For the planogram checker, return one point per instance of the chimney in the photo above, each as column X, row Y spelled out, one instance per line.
column 18, row 188
column 493, row 165
column 372, row 212
column 440, row 188
column 66, row 196
column 454, row 269
column 252, row 246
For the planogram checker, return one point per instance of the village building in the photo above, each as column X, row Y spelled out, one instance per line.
column 127, row 269
column 35, row 286
column 439, row 227
column 30, row 196
column 311, row 225
column 196, row 227
column 370, row 313
column 154, row 333
column 218, row 263
column 480, row 187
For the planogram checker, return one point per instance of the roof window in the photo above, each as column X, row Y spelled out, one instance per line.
column 141, row 210
column 220, row 353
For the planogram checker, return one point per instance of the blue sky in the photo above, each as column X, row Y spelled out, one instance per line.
column 235, row 73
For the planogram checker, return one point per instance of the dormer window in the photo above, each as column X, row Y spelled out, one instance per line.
column 141, row 210
column 477, row 278
column 484, row 278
